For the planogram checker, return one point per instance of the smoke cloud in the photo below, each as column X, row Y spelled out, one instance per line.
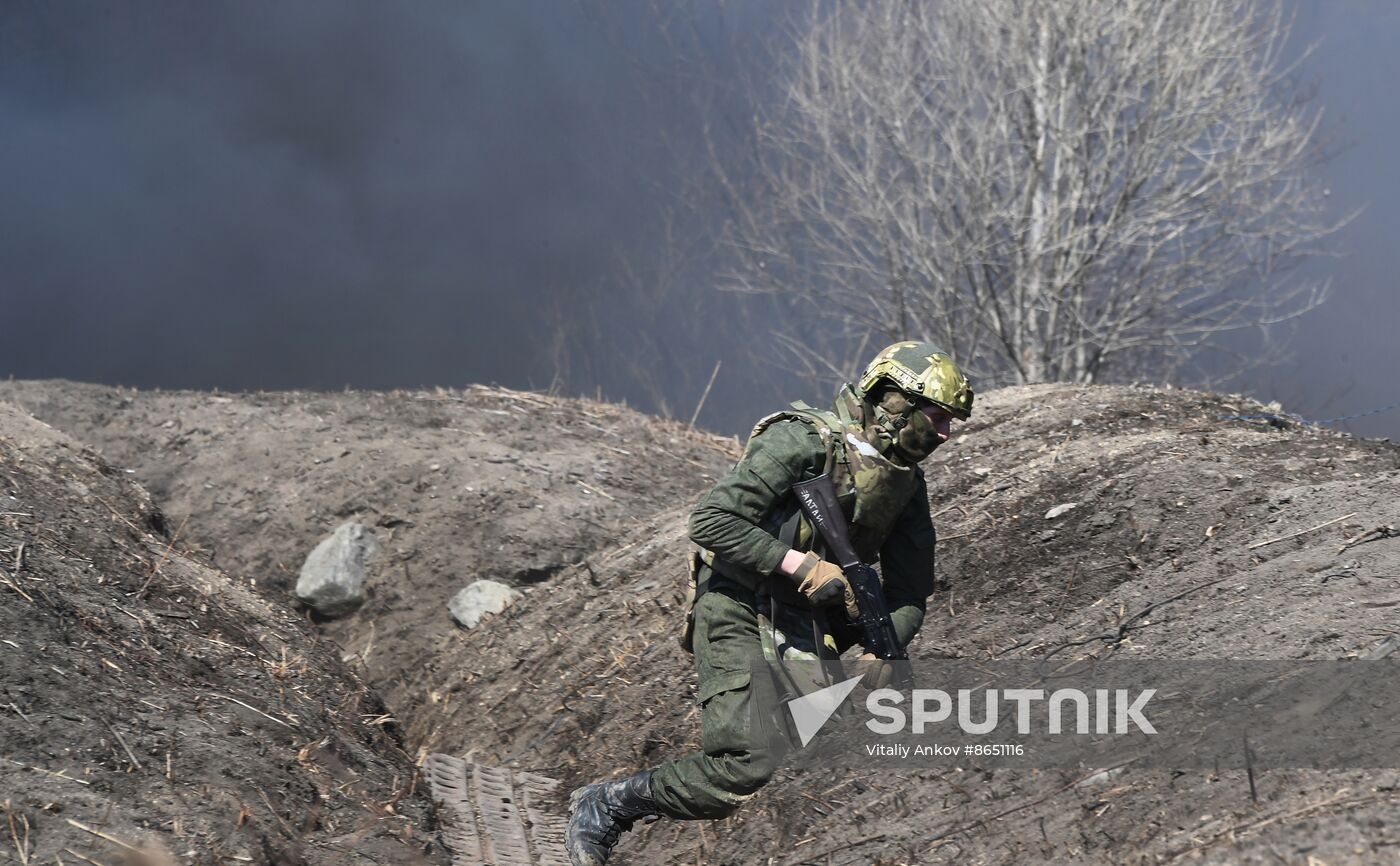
column 318, row 194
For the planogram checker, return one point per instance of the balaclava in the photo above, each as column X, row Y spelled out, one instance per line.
column 900, row 427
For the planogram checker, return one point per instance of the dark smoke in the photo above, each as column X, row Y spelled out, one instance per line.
column 318, row 194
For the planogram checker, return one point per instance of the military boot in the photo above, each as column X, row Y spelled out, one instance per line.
column 602, row 812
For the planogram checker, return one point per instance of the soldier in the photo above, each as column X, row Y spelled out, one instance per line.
column 756, row 549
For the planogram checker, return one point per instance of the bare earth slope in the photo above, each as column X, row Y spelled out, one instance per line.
column 584, row 677
column 576, row 686
column 458, row 485
column 150, row 702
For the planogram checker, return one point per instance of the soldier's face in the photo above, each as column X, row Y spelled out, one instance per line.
column 926, row 424
column 940, row 418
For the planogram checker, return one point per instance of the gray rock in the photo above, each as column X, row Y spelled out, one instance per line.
column 480, row 600
column 332, row 579
column 1060, row 509
column 1103, row 777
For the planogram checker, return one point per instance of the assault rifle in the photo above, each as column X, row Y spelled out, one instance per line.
column 817, row 498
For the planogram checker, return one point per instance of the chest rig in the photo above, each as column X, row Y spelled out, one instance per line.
column 871, row 488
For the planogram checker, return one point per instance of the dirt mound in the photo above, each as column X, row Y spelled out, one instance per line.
column 1170, row 503
column 1169, row 492
column 458, row 485
column 1191, row 536
column 154, row 710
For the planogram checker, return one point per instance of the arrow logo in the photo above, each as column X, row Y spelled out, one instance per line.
column 810, row 712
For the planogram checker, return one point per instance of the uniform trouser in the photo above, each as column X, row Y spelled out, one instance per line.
column 736, row 757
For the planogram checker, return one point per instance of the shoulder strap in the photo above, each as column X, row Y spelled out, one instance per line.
column 827, row 425
column 831, row 429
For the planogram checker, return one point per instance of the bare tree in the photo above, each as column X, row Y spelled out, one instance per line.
column 1053, row 191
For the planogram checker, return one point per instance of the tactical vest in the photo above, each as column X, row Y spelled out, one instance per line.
column 872, row 489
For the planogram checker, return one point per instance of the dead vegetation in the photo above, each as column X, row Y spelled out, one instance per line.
column 1191, row 536
column 152, row 710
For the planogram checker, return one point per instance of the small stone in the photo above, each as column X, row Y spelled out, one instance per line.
column 1060, row 509
column 332, row 579
column 481, row 599
column 1102, row 777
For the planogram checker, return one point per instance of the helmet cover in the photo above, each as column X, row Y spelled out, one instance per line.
column 921, row 370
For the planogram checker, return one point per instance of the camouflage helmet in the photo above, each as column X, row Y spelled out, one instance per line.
column 921, row 370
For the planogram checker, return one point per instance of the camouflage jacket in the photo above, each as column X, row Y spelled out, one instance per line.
column 730, row 520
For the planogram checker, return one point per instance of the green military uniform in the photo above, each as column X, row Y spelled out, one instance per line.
column 734, row 521
column 881, row 427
